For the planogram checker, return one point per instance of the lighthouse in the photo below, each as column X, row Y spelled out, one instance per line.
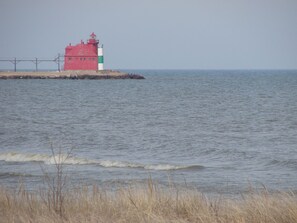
column 84, row 56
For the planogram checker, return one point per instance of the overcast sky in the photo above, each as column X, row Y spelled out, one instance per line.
column 157, row 34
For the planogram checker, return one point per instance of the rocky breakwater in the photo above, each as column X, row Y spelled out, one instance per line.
column 75, row 75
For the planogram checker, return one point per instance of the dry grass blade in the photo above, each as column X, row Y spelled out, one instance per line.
column 54, row 195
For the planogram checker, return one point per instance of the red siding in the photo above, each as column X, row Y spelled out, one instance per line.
column 82, row 56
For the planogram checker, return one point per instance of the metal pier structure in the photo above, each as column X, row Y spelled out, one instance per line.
column 57, row 60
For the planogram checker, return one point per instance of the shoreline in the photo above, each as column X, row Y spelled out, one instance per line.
column 74, row 75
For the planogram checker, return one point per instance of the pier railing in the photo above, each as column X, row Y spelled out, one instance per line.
column 57, row 60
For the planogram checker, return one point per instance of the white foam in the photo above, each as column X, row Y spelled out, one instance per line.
column 119, row 164
column 164, row 167
column 47, row 159
column 70, row 160
column 19, row 157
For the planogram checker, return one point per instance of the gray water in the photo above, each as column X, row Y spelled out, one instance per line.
column 218, row 131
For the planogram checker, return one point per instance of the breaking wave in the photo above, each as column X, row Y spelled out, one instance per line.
column 70, row 160
column 21, row 157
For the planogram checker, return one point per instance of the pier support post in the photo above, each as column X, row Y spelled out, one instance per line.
column 36, row 64
column 59, row 63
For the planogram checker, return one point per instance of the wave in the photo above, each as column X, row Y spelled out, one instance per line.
column 290, row 163
column 121, row 164
column 47, row 159
column 70, row 160
column 172, row 167
column 13, row 174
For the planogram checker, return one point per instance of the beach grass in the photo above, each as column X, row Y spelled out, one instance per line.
column 146, row 203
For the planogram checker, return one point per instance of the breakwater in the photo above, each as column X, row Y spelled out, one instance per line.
column 106, row 74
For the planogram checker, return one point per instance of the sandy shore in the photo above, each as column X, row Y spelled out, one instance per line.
column 106, row 74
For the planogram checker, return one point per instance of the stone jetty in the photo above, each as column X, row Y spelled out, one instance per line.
column 75, row 75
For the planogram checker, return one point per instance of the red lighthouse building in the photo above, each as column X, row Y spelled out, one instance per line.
column 83, row 56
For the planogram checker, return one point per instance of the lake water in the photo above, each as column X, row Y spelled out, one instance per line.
column 218, row 131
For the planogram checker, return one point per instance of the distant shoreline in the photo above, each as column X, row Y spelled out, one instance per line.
column 75, row 75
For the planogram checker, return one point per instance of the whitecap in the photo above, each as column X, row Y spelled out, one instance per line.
column 171, row 167
column 71, row 160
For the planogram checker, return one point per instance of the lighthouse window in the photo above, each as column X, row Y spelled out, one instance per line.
column 80, row 58
column 69, row 58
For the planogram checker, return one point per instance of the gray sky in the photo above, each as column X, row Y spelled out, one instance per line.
column 157, row 34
